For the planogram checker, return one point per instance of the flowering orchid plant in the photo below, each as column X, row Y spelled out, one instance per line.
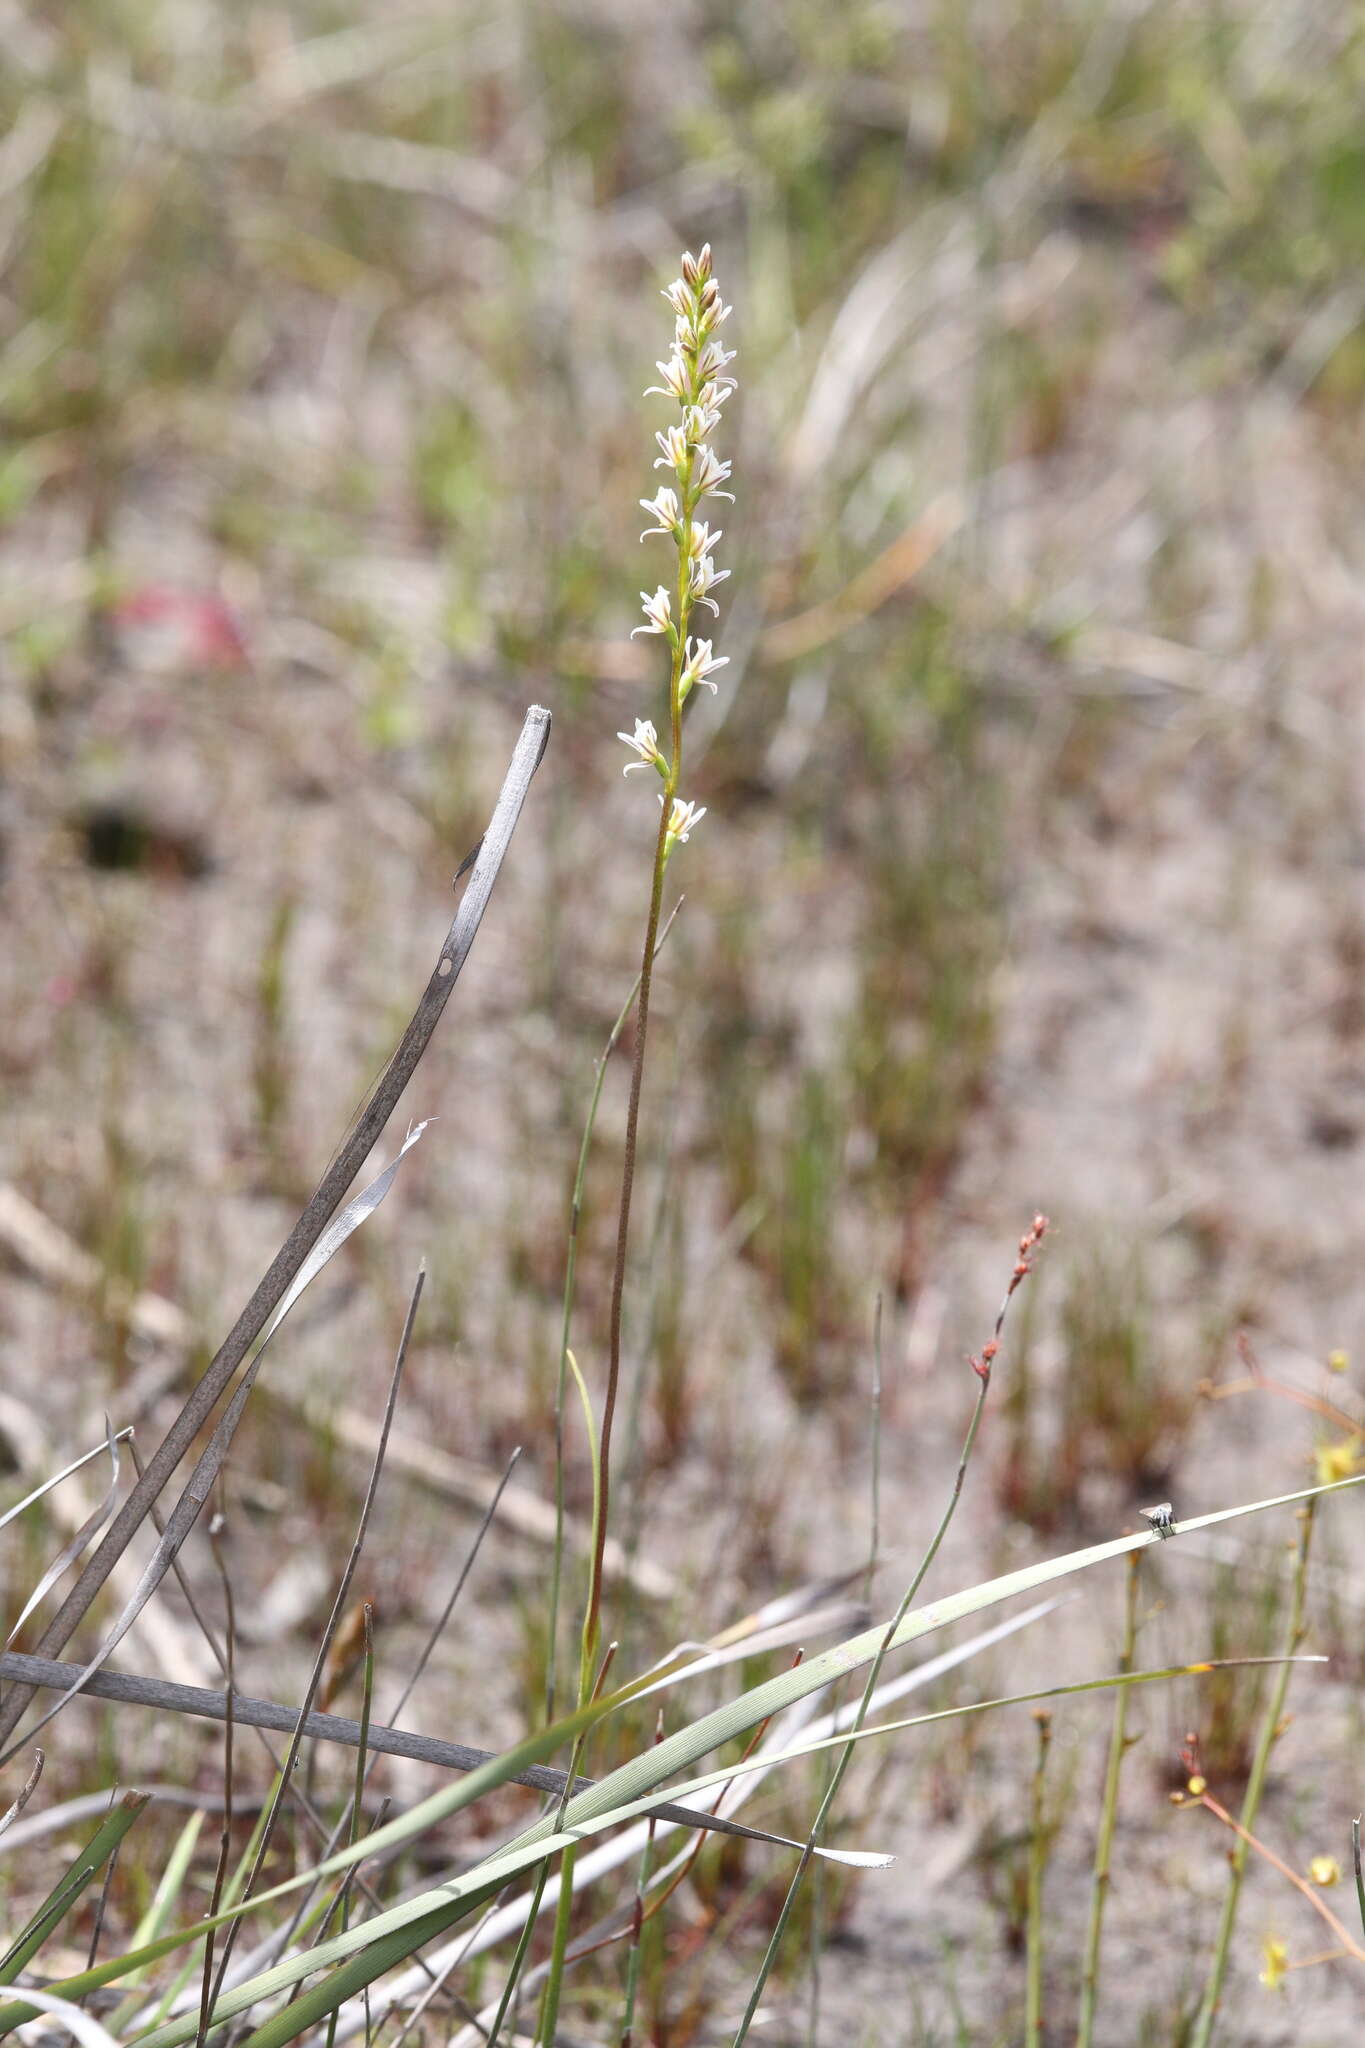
column 694, row 378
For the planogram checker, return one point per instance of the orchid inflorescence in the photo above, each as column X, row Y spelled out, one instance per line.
column 694, row 377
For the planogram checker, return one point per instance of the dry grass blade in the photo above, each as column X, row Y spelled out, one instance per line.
column 328, row 1197
column 191, row 1502
column 86, row 1458
column 27, row 1790
column 77, row 2023
column 83, row 1537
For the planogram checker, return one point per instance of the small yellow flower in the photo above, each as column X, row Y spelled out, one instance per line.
column 1325, row 1870
column 1340, row 1460
column 1197, row 1787
column 1276, row 1962
column 1338, row 1361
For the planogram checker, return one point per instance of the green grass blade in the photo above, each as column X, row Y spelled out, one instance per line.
column 68, row 1889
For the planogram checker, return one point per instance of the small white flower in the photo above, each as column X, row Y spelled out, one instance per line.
column 701, row 540
column 673, row 444
column 712, row 396
column 658, row 612
column 708, row 474
column 712, row 358
column 703, row 576
column 710, row 312
column 684, row 334
column 696, row 269
column 664, row 509
column 698, row 422
column 699, row 665
column 682, row 818
column 679, row 297
column 645, row 741
column 674, row 374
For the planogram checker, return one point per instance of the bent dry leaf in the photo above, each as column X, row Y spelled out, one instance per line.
column 326, row 1199
column 86, row 1458
column 85, row 1535
column 191, row 1502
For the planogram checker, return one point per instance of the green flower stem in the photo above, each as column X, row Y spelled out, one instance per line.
column 570, row 1285
column 1270, row 1731
column 1104, row 1841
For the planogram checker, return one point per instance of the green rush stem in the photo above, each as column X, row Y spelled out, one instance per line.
column 1104, row 1841
column 549, row 2009
column 1270, row 1730
column 1037, row 1864
column 637, row 1928
column 873, row 1676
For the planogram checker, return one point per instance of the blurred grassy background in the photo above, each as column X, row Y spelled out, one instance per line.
column 1031, row 875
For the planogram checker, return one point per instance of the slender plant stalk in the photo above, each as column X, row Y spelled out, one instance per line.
column 1349, row 1945
column 225, row 1835
column 693, row 378
column 1270, row 1730
column 1037, row 1865
column 1104, row 1841
column 981, row 1366
column 549, row 2012
column 358, row 1790
column 637, row 1929
column 1359, row 1867
column 566, row 1320
column 874, row 1541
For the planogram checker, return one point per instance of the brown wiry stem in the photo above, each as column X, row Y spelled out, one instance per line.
column 592, row 1623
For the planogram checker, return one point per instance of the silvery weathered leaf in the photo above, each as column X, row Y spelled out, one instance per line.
column 57, row 1478
column 85, row 1535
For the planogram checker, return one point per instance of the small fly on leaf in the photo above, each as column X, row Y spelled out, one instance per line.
column 1160, row 1518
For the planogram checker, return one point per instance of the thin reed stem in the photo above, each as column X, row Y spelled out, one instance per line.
column 549, row 2011
column 1109, row 1806
column 981, row 1366
column 1038, row 1845
column 1350, row 1947
column 1270, row 1731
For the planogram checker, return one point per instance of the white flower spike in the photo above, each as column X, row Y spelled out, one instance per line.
column 694, row 378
